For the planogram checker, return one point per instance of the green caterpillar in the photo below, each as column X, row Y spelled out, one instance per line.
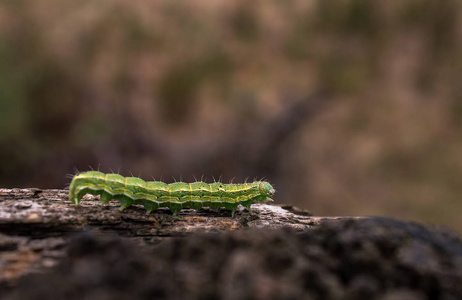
column 175, row 196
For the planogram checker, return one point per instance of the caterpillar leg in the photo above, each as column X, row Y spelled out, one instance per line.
column 247, row 204
column 150, row 206
column 125, row 202
column 105, row 198
column 175, row 208
column 233, row 207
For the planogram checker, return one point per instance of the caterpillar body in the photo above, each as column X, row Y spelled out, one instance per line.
column 175, row 196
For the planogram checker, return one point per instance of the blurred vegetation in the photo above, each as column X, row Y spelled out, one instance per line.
column 349, row 107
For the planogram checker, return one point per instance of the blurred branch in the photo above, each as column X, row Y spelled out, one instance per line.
column 285, row 127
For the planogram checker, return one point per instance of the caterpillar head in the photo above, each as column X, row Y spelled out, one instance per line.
column 266, row 189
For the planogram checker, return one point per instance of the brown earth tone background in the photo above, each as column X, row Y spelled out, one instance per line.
column 348, row 107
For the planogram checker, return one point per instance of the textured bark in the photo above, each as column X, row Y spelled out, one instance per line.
column 35, row 225
column 94, row 252
column 42, row 213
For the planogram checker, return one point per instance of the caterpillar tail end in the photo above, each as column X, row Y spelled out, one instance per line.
column 74, row 200
column 73, row 193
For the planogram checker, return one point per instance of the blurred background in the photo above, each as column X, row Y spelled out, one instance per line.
column 348, row 107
